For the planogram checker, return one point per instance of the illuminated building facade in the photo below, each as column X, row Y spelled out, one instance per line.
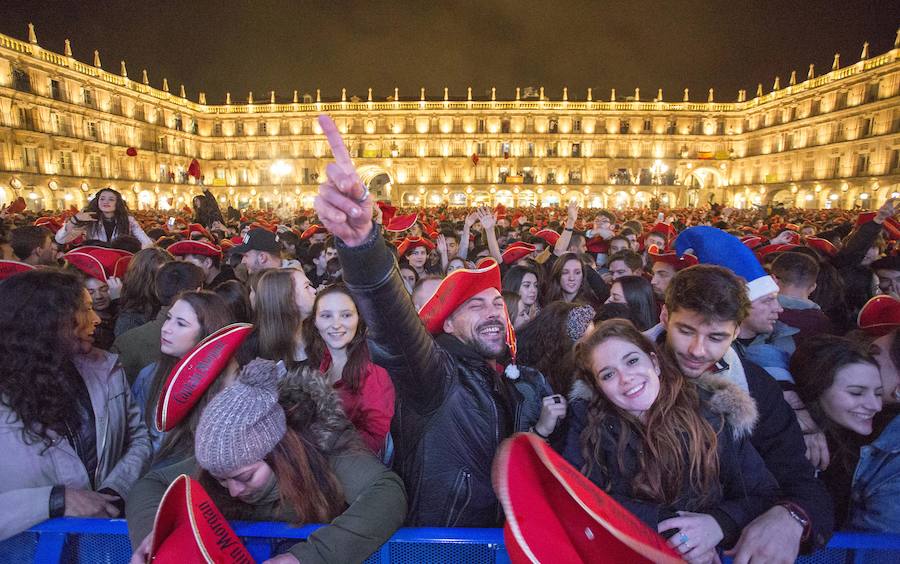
column 68, row 128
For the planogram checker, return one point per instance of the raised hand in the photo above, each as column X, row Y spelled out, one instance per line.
column 486, row 218
column 85, row 217
column 343, row 203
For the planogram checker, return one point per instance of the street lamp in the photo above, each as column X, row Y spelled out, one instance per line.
column 279, row 170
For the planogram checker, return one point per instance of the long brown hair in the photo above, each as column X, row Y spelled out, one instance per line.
column 139, row 284
column 553, row 289
column 354, row 371
column 277, row 316
column 676, row 439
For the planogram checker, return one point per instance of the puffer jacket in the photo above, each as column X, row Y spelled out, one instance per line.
column 374, row 496
column 746, row 488
column 450, row 416
column 30, row 471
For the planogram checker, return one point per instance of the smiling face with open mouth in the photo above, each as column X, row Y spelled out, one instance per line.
column 627, row 376
column 854, row 397
column 481, row 323
column 336, row 319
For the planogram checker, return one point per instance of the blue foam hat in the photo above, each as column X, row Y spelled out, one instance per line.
column 714, row 246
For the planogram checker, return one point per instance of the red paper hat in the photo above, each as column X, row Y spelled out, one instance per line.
column 193, row 374
column 189, row 528
column 108, row 259
column 823, row 245
column 51, row 223
column 533, row 230
column 87, row 264
column 131, row 152
column 500, row 211
column 516, row 252
column 484, row 262
column 18, row 206
column 879, row 316
column 778, row 248
column 793, row 238
column 667, row 231
column 751, row 241
column 387, row 211
column 226, row 244
column 236, row 240
column 120, row 267
column 454, row 290
column 891, row 225
column 410, row 243
column 11, row 268
column 194, row 169
column 597, row 245
column 196, row 228
column 312, row 230
column 202, row 248
column 671, row 257
column 401, row 222
column 548, row 235
column 555, row 514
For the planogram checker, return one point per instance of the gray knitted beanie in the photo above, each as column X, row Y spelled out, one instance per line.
column 244, row 422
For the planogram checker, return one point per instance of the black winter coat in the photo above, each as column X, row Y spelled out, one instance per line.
column 453, row 409
column 746, row 487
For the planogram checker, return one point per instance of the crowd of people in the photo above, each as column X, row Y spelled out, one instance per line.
column 728, row 376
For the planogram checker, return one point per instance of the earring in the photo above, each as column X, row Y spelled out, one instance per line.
column 897, row 393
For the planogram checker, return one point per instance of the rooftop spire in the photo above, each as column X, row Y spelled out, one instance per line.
column 759, row 91
column 181, row 91
column 396, row 94
column 493, row 94
column 637, row 94
column 318, row 95
column 712, row 96
column 203, row 98
column 469, row 93
column 250, row 98
column 422, row 94
column 687, row 95
column 144, row 78
column 865, row 52
column 32, row 37
column 659, row 94
column 446, row 93
column 777, row 85
column 122, row 70
column 518, row 93
column 295, row 96
column 67, row 50
column 793, row 79
column 369, row 98
column 97, row 59
column 612, row 95
column 228, row 98
column 811, row 74
column 165, row 85
column 590, row 95
column 272, row 97
column 343, row 94
column 837, row 62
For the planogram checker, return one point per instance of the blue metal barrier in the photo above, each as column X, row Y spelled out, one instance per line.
column 101, row 541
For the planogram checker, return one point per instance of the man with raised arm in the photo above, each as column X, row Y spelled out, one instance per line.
column 455, row 402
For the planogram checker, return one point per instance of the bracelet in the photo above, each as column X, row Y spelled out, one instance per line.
column 799, row 515
column 57, row 504
column 568, row 229
column 535, row 431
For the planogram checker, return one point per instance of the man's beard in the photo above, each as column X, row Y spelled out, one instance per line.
column 486, row 350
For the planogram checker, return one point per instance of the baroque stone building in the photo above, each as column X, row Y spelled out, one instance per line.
column 68, row 128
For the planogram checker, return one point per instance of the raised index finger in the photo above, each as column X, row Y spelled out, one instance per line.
column 336, row 142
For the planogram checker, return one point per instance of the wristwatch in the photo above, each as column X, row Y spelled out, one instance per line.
column 797, row 515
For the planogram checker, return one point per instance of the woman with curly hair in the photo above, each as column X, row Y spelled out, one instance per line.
column 680, row 462
column 105, row 218
column 70, row 433
column 138, row 303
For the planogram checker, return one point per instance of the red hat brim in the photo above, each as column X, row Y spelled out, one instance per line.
column 517, row 251
column 458, row 287
column 823, row 245
column 410, row 243
column 879, row 316
column 555, row 514
column 548, row 235
column 312, row 230
column 190, row 528
column 401, row 222
column 667, row 231
column 202, row 248
column 87, row 264
column 671, row 257
column 597, row 245
column 11, row 268
column 192, row 375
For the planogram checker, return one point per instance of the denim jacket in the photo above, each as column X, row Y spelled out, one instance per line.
column 876, row 484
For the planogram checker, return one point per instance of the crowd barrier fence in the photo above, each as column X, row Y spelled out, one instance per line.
column 103, row 541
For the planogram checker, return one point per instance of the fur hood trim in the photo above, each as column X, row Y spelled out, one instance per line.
column 581, row 391
column 728, row 399
column 313, row 408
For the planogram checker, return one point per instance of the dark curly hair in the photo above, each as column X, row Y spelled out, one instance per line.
column 120, row 215
column 38, row 316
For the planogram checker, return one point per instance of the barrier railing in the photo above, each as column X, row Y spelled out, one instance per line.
column 101, row 541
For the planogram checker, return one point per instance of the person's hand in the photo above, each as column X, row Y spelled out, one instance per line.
column 142, row 552
column 217, row 226
column 553, row 408
column 441, row 244
column 817, row 450
column 709, row 557
column 115, row 287
column 85, row 217
column 572, row 212
column 698, row 533
column 607, row 277
column 486, row 218
column 886, row 210
column 773, row 537
column 471, row 219
column 783, row 238
column 286, row 558
column 377, row 215
column 343, row 203
column 87, row 503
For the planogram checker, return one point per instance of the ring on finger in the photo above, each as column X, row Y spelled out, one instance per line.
column 365, row 194
column 683, row 538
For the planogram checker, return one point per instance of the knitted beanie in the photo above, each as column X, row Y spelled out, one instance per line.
column 578, row 321
column 244, row 422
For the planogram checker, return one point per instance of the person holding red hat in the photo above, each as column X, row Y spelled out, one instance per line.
column 73, row 443
column 207, row 256
column 456, row 401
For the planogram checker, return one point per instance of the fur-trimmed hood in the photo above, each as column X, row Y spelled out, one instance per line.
column 718, row 394
column 314, row 410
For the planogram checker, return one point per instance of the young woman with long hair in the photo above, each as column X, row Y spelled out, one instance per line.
column 335, row 335
column 524, row 281
column 568, row 282
column 637, row 293
column 138, row 302
column 283, row 299
column 638, row 430
column 105, row 218
column 840, row 384
column 547, row 342
column 193, row 317
column 275, row 446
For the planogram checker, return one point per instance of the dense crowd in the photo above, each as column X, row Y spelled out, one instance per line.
column 728, row 376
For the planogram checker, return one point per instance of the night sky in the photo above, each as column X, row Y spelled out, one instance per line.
column 283, row 45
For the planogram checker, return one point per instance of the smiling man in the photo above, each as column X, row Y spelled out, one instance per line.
column 454, row 403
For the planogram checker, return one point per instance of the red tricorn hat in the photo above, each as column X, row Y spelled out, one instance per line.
column 454, row 290
column 484, row 262
column 667, row 231
column 194, row 169
column 193, row 374
column 823, row 245
column 751, row 241
column 387, row 211
column 517, row 251
column 410, row 243
column 196, row 228
column 52, row 223
column 312, row 230
column 226, row 244
column 597, row 245
column 18, row 206
column 548, row 235
column 776, row 248
column 87, row 264
column 671, row 257
column 99, row 262
column 11, row 268
column 202, row 248
column 189, row 528
column 555, row 514
column 401, row 222
column 879, row 316
column 131, row 151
